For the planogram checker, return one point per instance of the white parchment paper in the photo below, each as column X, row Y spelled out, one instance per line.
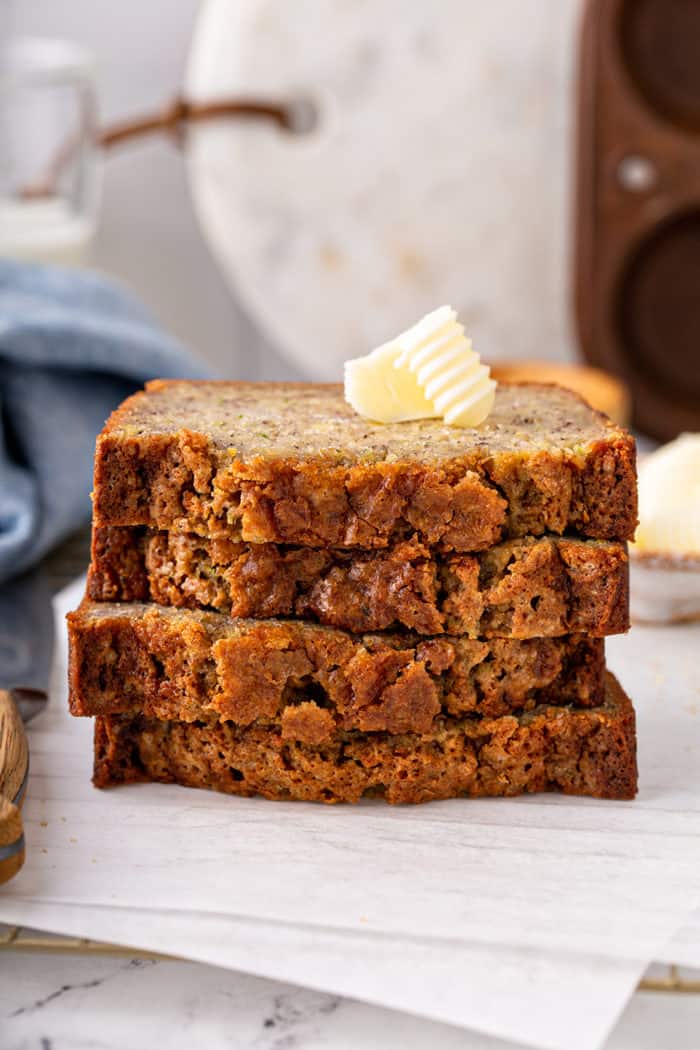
column 684, row 948
column 563, row 1001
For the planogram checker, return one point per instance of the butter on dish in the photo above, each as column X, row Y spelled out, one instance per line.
column 665, row 558
column 429, row 371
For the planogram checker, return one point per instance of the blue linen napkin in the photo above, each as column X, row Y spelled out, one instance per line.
column 72, row 346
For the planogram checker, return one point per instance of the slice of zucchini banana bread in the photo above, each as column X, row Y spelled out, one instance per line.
column 579, row 752
column 292, row 463
column 188, row 665
column 524, row 588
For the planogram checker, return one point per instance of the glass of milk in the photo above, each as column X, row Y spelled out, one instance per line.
column 49, row 170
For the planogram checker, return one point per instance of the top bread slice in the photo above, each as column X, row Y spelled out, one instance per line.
column 293, row 463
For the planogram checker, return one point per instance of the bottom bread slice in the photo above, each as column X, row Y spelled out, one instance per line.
column 577, row 751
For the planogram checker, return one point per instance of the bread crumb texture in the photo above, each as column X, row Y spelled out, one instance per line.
column 578, row 752
column 520, row 588
column 292, row 463
column 195, row 666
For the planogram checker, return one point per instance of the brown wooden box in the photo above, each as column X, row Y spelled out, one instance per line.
column 637, row 252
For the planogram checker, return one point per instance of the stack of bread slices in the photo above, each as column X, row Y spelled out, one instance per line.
column 288, row 600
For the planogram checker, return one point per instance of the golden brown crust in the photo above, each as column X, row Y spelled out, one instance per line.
column 317, row 475
column 188, row 666
column 521, row 588
column 591, row 752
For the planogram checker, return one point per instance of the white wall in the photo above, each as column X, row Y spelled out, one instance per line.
column 148, row 235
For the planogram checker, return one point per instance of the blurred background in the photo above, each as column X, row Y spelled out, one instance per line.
column 492, row 87
column 537, row 166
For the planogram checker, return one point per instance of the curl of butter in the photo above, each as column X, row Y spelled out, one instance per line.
column 669, row 499
column 428, row 371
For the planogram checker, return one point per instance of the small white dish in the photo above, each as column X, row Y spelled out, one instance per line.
column 665, row 559
column 664, row 588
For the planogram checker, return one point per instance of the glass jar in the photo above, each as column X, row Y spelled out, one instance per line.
column 49, row 163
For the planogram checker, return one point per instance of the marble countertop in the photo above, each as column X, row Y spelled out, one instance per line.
column 66, row 1002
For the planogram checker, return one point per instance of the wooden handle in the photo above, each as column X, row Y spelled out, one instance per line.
column 14, row 763
column 11, row 840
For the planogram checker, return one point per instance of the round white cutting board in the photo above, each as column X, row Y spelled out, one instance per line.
column 434, row 173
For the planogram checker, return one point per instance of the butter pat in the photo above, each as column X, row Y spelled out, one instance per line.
column 669, row 499
column 428, row 371
column 377, row 389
